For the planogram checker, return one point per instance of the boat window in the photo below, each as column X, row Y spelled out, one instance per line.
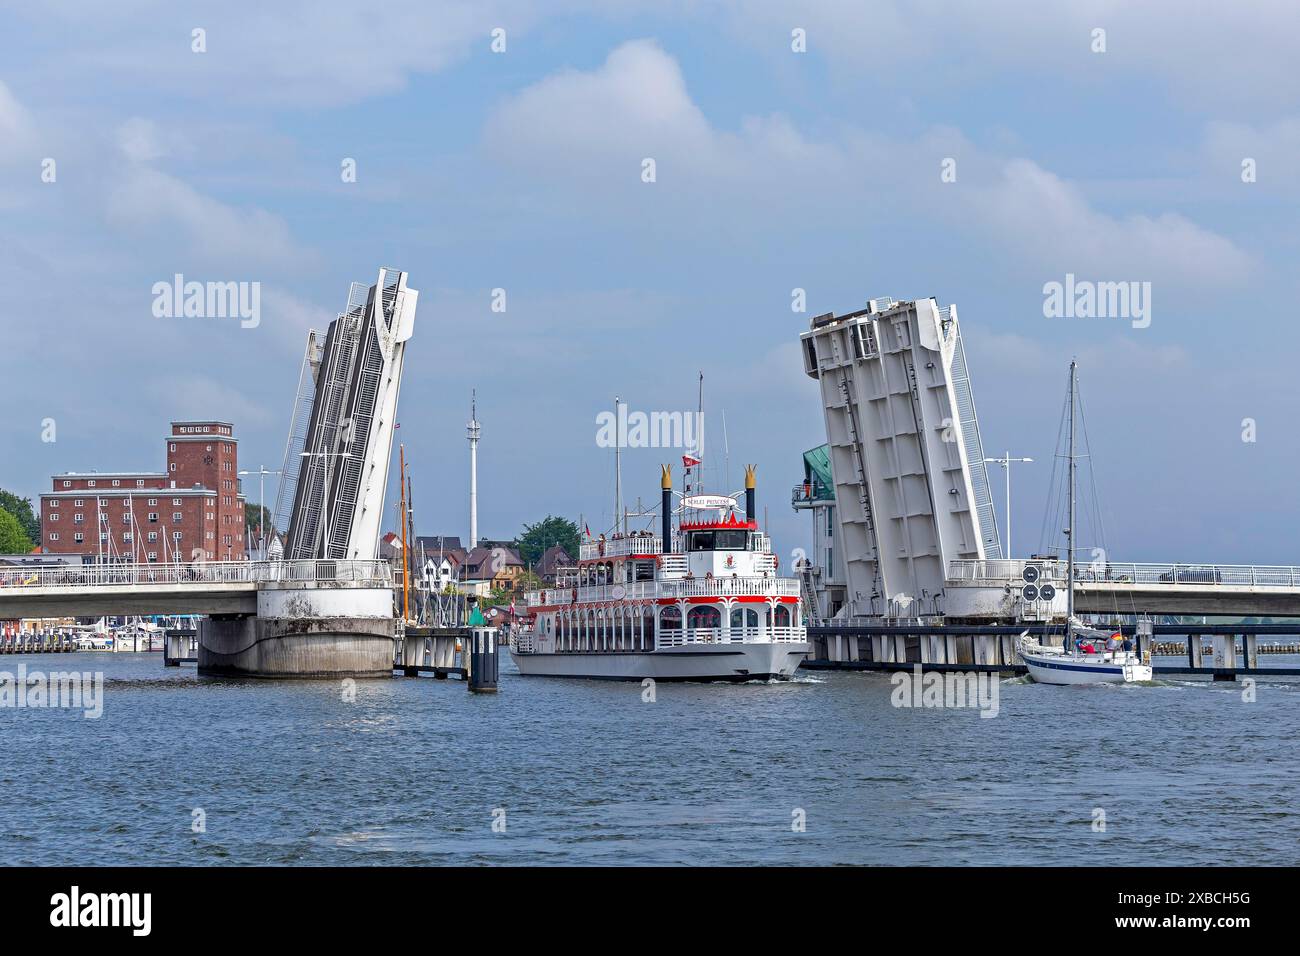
column 701, row 540
column 704, row 615
column 644, row 571
column 731, row 540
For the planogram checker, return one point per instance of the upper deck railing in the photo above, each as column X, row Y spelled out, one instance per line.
column 679, row 588
column 1127, row 574
column 636, row 543
column 356, row 573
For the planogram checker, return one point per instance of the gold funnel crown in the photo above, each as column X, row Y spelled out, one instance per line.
column 749, row 476
column 666, row 481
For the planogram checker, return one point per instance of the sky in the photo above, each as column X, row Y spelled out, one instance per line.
column 974, row 152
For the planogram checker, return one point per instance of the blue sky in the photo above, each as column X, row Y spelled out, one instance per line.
column 776, row 170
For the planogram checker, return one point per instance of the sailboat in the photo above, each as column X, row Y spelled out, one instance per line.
column 1085, row 657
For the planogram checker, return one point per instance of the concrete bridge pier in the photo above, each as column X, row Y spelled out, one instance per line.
column 319, row 629
column 1225, row 655
column 1250, row 650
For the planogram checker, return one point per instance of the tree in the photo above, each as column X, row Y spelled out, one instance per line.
column 13, row 540
column 536, row 538
column 251, row 518
column 21, row 508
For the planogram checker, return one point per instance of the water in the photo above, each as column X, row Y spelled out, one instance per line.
column 586, row 773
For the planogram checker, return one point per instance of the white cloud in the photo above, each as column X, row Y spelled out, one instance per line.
column 1051, row 222
column 139, row 141
column 590, row 130
column 150, row 201
column 15, row 124
column 1223, row 57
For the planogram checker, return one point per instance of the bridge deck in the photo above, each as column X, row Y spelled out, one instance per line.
column 210, row 587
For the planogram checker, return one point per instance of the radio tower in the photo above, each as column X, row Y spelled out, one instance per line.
column 472, row 432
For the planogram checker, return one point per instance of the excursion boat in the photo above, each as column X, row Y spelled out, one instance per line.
column 1074, row 663
column 701, row 603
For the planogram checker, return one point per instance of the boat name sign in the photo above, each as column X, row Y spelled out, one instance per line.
column 709, row 501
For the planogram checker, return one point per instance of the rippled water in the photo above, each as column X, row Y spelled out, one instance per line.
column 586, row 773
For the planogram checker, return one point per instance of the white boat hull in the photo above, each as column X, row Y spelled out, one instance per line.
column 729, row 662
column 1090, row 669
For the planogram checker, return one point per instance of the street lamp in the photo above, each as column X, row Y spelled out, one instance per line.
column 261, row 501
column 325, row 498
column 1005, row 461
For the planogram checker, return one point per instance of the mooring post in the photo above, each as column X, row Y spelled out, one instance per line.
column 481, row 660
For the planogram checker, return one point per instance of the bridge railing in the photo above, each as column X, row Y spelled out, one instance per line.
column 1104, row 573
column 374, row 573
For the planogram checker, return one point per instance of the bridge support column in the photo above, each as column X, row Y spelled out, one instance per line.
column 1250, row 650
column 1225, row 656
column 1193, row 650
column 304, row 631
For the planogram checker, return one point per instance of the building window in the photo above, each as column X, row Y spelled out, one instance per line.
column 153, row 517
column 67, row 484
column 139, row 482
column 172, row 446
column 126, row 536
column 126, row 519
column 172, row 466
column 78, row 503
column 176, row 517
column 116, row 483
column 54, row 536
column 103, row 536
column 153, row 501
column 54, row 503
column 153, row 535
column 78, row 518
column 153, row 555
column 176, row 501
column 78, row 537
column 90, row 484
column 207, row 535
column 176, row 535
column 54, row 517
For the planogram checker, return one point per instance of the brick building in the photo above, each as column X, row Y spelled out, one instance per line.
column 193, row 510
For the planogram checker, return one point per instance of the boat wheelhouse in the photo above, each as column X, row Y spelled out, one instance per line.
column 703, row 601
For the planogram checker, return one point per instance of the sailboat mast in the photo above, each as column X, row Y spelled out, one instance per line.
column 1069, row 559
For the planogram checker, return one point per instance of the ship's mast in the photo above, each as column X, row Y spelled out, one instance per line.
column 1069, row 531
column 619, row 521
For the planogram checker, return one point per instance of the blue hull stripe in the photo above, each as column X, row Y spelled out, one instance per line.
column 1081, row 668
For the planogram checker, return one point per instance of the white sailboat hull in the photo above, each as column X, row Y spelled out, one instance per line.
column 1088, row 669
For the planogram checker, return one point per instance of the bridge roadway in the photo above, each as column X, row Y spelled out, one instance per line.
column 1110, row 588
column 208, row 587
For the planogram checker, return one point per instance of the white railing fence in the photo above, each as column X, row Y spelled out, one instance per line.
column 369, row 573
column 1129, row 573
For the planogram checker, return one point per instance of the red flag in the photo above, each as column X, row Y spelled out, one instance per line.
column 587, row 529
column 689, row 460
